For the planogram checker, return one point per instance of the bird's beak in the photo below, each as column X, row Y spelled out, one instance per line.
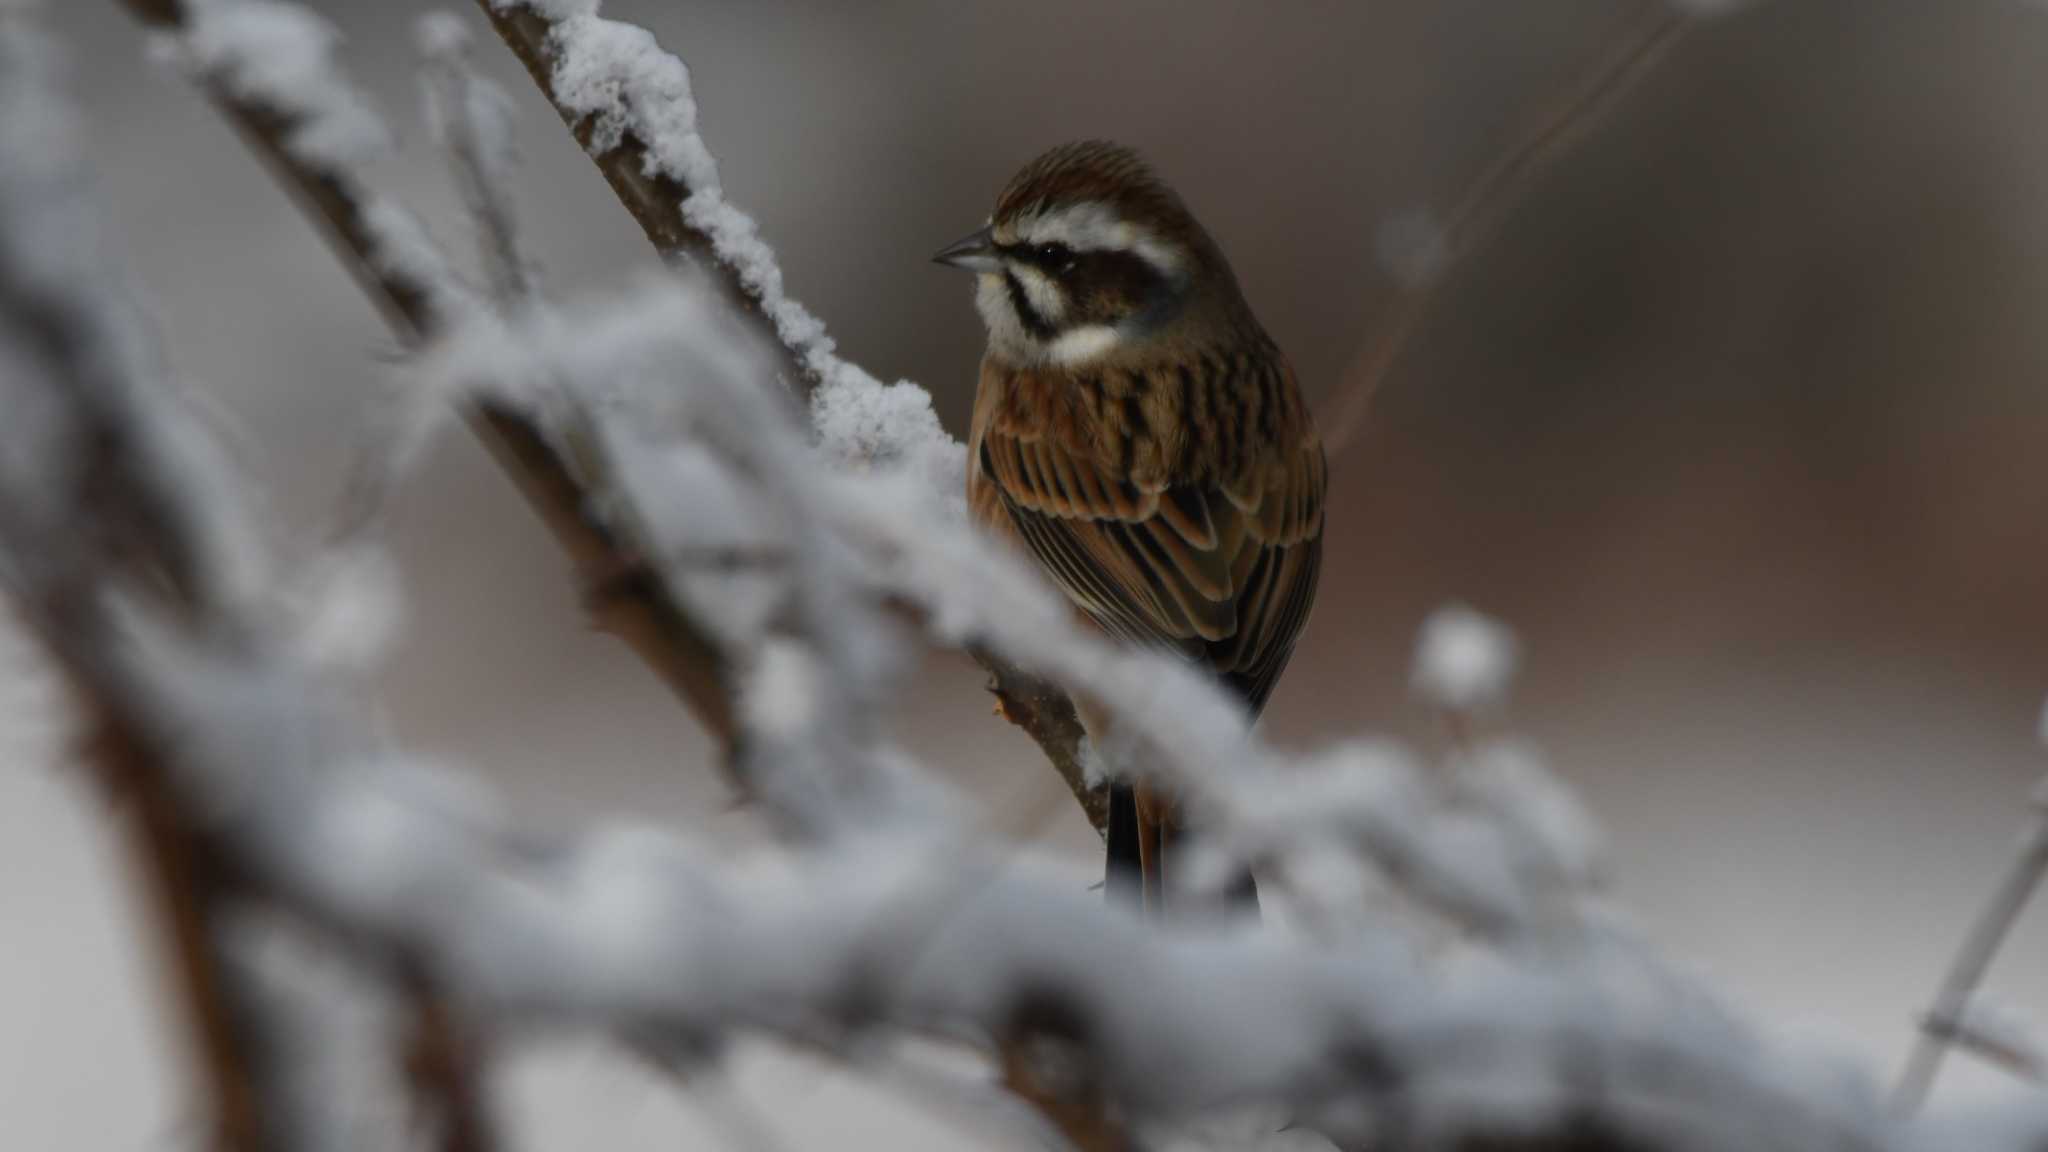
column 976, row 253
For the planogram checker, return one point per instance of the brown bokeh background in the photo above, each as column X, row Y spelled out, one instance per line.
column 1736, row 417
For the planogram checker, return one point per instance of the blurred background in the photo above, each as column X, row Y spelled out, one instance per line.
column 1736, row 417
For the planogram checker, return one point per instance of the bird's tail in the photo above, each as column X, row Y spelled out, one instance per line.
column 1141, row 835
column 1124, row 874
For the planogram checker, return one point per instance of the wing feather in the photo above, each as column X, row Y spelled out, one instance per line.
column 1219, row 567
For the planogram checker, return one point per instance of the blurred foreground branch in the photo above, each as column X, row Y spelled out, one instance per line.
column 638, row 934
column 882, row 914
column 405, row 278
column 110, row 529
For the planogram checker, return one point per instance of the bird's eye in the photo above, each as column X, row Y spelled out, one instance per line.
column 1055, row 256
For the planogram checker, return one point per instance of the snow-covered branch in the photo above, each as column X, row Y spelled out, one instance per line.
column 763, row 556
column 885, row 915
column 269, row 67
column 622, row 597
column 635, row 932
column 68, row 356
column 631, row 106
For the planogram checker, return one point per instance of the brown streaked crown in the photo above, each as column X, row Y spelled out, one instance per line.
column 1101, row 172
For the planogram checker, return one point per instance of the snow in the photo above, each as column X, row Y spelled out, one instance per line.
column 66, row 296
column 280, row 57
column 783, row 692
column 1463, row 660
column 441, row 34
column 617, row 76
column 1552, row 834
column 348, row 608
column 828, row 937
column 703, row 457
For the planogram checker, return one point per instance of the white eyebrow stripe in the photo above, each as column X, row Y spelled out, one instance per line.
column 1094, row 227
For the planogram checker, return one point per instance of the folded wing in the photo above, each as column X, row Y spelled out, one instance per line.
column 1219, row 564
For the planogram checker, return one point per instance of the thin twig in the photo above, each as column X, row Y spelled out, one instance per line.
column 1966, row 1034
column 1481, row 208
column 470, row 116
column 1973, row 959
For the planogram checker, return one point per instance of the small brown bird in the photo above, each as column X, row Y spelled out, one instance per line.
column 1143, row 437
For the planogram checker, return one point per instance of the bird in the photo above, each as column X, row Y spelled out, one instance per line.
column 1145, row 440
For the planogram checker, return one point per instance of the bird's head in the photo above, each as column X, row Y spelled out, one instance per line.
column 1089, row 255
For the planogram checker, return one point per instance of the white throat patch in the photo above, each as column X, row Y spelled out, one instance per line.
column 1080, row 345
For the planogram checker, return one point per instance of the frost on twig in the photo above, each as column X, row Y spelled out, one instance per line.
column 270, row 65
column 631, row 105
column 696, row 456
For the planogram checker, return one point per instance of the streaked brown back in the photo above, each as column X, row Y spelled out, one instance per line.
column 1178, row 507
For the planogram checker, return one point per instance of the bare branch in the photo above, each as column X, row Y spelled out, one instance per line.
column 1973, row 959
column 1427, row 249
column 1989, row 1038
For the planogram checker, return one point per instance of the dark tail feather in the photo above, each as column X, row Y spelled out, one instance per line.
column 1135, row 874
column 1123, row 876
